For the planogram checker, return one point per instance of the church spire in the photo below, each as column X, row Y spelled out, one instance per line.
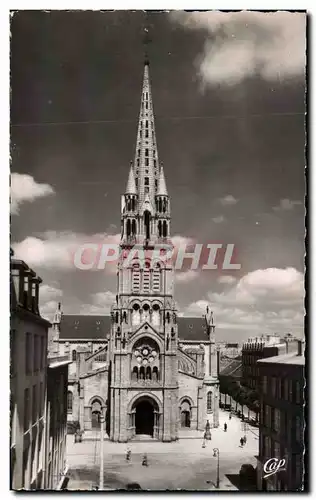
column 146, row 166
column 162, row 188
column 131, row 185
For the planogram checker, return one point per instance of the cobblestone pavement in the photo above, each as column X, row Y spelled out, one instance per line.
column 180, row 465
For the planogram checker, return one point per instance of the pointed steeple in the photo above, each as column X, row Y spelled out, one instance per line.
column 162, row 188
column 131, row 185
column 146, row 164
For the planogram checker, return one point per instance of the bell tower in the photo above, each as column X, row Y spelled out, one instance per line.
column 144, row 334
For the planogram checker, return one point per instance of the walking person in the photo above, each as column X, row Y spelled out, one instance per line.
column 241, row 442
column 225, row 427
column 245, row 439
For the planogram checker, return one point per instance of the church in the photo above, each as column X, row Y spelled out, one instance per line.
column 146, row 369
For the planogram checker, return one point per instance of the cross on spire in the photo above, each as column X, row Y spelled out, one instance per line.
column 146, row 41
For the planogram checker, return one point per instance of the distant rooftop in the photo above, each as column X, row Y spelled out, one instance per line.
column 285, row 359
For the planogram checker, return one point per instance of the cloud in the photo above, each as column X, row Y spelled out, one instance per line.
column 49, row 296
column 226, row 280
column 286, row 205
column 180, row 241
column 25, row 188
column 263, row 301
column 101, row 303
column 186, row 276
column 219, row 219
column 241, row 44
column 228, row 200
column 55, row 250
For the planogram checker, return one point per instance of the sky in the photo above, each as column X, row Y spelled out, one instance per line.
column 229, row 101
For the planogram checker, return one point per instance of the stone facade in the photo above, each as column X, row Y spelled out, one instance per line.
column 148, row 378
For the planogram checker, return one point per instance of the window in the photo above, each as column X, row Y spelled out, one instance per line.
column 28, row 353
column 276, row 453
column 146, row 133
column 146, row 123
column 26, row 409
column 267, row 446
column 146, row 278
column 146, row 105
column 273, row 386
column 277, row 420
column 42, row 352
column 41, row 400
column 156, row 278
column 36, row 353
column 209, row 402
column 146, row 181
column 155, row 163
column 69, row 402
column 136, row 278
column 74, row 355
column 146, row 152
column 286, row 389
column 267, row 414
column 298, row 429
column 297, row 392
column 34, row 404
column 146, row 162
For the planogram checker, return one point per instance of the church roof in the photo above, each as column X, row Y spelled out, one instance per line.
column 98, row 327
column 77, row 326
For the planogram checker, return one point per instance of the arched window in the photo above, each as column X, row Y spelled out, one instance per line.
column 74, row 355
column 156, row 278
column 128, row 227
column 209, row 402
column 146, row 277
column 136, row 278
column 135, row 315
column 156, row 315
column 142, row 373
column 148, row 373
column 69, row 401
column 155, row 373
column 135, row 373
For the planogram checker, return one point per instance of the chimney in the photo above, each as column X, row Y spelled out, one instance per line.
column 300, row 348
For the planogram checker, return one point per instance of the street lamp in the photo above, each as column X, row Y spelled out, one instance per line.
column 216, row 454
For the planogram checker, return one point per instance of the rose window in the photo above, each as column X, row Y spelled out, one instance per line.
column 145, row 355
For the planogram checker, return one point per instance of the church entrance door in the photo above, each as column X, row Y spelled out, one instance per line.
column 95, row 420
column 185, row 419
column 144, row 418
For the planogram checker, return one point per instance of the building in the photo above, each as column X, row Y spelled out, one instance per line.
column 282, row 419
column 28, row 353
column 149, row 370
column 56, row 422
column 38, row 399
column 258, row 348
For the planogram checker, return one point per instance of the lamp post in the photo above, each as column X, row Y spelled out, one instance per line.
column 216, row 454
column 101, row 485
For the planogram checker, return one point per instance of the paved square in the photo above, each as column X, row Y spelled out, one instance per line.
column 180, row 465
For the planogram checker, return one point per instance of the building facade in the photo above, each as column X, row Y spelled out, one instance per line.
column 28, row 352
column 282, row 420
column 38, row 413
column 260, row 348
column 152, row 372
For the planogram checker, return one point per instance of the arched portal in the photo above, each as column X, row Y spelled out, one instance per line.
column 96, row 414
column 185, row 414
column 146, row 412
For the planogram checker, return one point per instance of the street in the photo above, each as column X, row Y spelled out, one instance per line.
column 180, row 465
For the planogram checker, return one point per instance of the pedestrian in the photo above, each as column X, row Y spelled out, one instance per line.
column 245, row 439
column 128, row 455
column 230, row 416
column 145, row 460
column 241, row 442
column 225, row 427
